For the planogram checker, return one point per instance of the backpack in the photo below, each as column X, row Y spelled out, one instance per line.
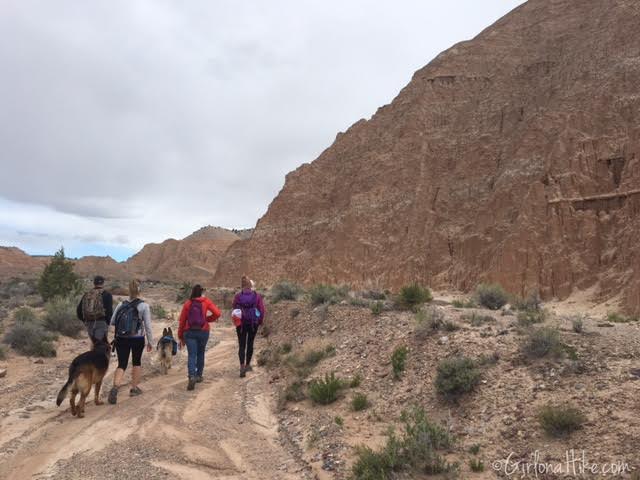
column 248, row 303
column 195, row 316
column 93, row 306
column 128, row 319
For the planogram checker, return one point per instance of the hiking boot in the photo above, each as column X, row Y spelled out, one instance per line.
column 199, row 379
column 113, row 396
column 243, row 372
column 135, row 392
column 192, row 383
column 248, row 368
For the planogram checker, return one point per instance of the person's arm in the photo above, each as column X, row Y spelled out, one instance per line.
column 235, row 301
column 182, row 322
column 114, row 315
column 79, row 311
column 146, row 318
column 107, row 300
column 261, row 309
column 215, row 311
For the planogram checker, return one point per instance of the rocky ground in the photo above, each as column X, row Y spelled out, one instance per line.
column 243, row 428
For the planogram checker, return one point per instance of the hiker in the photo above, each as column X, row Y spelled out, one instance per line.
column 132, row 322
column 95, row 310
column 252, row 312
column 193, row 331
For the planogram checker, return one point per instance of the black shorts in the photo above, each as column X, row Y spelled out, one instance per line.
column 124, row 346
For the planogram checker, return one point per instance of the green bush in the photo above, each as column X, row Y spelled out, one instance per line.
column 428, row 322
column 158, row 311
column 377, row 308
column 398, row 360
column 31, row 339
column 60, row 316
column 285, row 348
column 285, row 290
column 25, row 315
column 415, row 451
column 476, row 465
column 356, row 380
column 184, row 292
column 327, row 294
column 491, row 296
column 560, row 420
column 474, row 449
column 456, row 376
column 412, row 296
column 359, row 402
column 339, row 420
column 325, row 391
column 543, row 341
column 58, row 278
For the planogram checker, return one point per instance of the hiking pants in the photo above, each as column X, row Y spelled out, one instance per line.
column 246, row 336
column 97, row 329
column 196, row 341
column 126, row 346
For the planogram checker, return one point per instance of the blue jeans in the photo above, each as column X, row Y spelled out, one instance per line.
column 196, row 341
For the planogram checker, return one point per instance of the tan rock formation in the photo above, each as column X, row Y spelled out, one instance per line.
column 16, row 263
column 513, row 157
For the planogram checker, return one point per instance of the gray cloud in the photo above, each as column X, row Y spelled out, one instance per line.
column 140, row 120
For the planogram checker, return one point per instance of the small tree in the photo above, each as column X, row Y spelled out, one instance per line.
column 58, row 278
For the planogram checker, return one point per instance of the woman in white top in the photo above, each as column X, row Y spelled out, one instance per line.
column 132, row 322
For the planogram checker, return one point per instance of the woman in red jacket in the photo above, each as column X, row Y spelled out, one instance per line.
column 194, row 331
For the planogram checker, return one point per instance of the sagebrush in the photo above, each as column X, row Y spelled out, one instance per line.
column 285, row 290
column 456, row 376
column 60, row 316
column 491, row 296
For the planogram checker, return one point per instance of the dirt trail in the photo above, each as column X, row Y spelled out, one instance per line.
column 224, row 429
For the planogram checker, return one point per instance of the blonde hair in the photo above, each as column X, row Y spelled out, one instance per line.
column 134, row 289
column 245, row 282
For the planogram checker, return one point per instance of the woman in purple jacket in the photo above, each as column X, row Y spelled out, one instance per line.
column 250, row 303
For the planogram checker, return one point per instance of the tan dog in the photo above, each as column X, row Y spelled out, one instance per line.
column 86, row 369
column 165, row 349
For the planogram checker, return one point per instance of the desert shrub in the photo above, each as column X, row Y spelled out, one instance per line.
column 60, row 316
column 285, row 348
column 31, row 339
column 428, row 321
column 377, row 308
column 474, row 449
column 374, row 295
column 158, row 311
column 526, row 318
column 295, row 392
column 339, row 420
column 398, row 360
column 560, row 420
column 458, row 303
column 543, row 341
column 359, row 402
column 476, row 465
column 285, row 290
column 477, row 320
column 327, row 294
column 184, row 292
column 412, row 296
column 355, row 381
column 616, row 317
column 491, row 296
column 58, row 278
column 456, row 376
column 325, row 391
column 577, row 323
column 484, row 359
column 530, row 303
column 25, row 315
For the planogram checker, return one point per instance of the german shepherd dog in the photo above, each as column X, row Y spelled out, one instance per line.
column 87, row 369
column 165, row 350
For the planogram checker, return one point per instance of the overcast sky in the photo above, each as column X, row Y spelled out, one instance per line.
column 126, row 122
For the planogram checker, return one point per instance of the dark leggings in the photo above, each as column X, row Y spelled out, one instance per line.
column 124, row 346
column 246, row 336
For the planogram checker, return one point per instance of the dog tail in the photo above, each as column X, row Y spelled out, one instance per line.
column 63, row 392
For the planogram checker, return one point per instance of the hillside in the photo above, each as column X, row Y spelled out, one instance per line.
column 16, row 263
column 512, row 157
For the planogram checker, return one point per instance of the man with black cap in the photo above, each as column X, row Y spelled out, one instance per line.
column 95, row 310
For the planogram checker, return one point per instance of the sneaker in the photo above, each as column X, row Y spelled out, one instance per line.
column 248, row 368
column 192, row 383
column 135, row 391
column 243, row 372
column 113, row 396
column 199, row 379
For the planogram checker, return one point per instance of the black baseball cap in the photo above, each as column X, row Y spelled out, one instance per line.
column 98, row 280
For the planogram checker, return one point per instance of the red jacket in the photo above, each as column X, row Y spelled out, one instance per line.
column 207, row 306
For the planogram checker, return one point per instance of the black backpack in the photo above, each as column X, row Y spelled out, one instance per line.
column 128, row 319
